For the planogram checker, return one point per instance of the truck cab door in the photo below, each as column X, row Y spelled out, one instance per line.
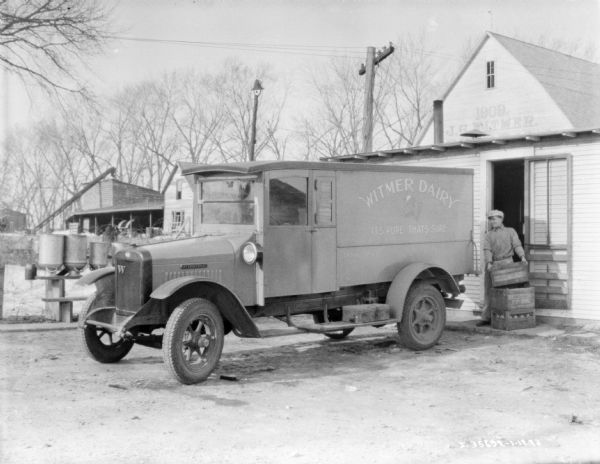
column 287, row 234
column 323, row 231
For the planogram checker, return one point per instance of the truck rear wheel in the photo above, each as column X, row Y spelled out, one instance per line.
column 423, row 317
column 193, row 340
column 99, row 343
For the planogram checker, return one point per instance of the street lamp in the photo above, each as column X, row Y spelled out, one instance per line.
column 256, row 89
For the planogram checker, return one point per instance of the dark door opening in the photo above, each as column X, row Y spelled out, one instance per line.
column 508, row 195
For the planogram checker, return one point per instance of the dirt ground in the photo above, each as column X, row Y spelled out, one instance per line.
column 304, row 399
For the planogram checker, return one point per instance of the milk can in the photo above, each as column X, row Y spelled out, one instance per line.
column 75, row 252
column 51, row 252
column 99, row 254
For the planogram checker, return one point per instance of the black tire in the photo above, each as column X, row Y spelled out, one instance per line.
column 423, row 317
column 193, row 340
column 99, row 343
column 318, row 319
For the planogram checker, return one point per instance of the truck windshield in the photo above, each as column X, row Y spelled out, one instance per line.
column 227, row 202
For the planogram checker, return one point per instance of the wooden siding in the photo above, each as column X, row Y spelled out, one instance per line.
column 585, row 222
column 474, row 295
column 574, row 269
column 518, row 104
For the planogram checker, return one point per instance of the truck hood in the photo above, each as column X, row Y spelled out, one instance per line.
column 197, row 250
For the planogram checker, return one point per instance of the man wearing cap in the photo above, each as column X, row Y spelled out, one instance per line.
column 499, row 246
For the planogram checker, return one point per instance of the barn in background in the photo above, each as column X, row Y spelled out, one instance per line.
column 112, row 202
column 12, row 221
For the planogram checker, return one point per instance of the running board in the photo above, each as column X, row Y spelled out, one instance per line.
column 270, row 333
column 328, row 327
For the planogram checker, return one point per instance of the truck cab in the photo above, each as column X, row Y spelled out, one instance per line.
column 347, row 244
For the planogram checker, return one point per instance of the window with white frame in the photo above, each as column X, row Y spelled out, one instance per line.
column 490, row 75
column 177, row 220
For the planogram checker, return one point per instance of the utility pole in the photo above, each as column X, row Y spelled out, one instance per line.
column 257, row 89
column 369, row 69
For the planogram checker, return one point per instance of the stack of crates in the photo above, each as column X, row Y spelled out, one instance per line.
column 512, row 300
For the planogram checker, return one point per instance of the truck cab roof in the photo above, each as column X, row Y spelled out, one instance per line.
column 255, row 167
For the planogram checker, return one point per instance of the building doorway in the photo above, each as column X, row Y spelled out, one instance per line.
column 508, row 193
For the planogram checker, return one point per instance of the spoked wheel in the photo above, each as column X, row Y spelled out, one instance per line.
column 193, row 340
column 98, row 342
column 333, row 315
column 423, row 318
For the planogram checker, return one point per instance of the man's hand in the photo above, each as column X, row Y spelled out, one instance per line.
column 523, row 260
column 488, row 267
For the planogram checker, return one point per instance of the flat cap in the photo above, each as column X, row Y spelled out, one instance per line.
column 495, row 213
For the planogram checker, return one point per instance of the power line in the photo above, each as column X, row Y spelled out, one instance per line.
column 326, row 51
column 294, row 49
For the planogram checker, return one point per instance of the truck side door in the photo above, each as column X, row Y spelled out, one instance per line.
column 287, row 228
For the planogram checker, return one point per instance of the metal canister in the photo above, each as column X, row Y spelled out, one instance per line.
column 51, row 252
column 116, row 247
column 75, row 252
column 99, row 254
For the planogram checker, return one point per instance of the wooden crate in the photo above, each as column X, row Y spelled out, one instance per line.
column 513, row 320
column 508, row 299
column 510, row 274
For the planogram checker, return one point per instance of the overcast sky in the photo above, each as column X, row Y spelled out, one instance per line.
column 324, row 27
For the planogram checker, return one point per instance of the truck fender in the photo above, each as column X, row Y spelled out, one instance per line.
column 96, row 275
column 229, row 304
column 405, row 278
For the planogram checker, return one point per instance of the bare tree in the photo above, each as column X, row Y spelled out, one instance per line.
column 158, row 132
column 335, row 127
column 46, row 40
column 199, row 116
column 123, row 133
column 406, row 88
column 37, row 183
column 233, row 85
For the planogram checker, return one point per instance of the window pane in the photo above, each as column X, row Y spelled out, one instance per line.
column 228, row 213
column 226, row 190
column 288, row 200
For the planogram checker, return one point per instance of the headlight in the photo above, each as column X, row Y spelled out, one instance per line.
column 250, row 253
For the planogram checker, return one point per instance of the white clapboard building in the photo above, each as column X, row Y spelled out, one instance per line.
column 530, row 119
column 178, row 212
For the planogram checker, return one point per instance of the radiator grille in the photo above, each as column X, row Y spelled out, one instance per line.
column 129, row 282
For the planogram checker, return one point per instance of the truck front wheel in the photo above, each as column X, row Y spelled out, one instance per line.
column 193, row 340
column 99, row 343
column 423, row 317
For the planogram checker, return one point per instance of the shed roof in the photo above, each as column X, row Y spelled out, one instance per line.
column 481, row 143
column 133, row 207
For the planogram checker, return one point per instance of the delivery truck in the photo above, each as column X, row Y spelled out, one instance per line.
column 346, row 244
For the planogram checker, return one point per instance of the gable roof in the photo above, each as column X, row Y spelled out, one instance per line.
column 572, row 83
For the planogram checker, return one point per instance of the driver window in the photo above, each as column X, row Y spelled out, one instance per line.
column 288, row 199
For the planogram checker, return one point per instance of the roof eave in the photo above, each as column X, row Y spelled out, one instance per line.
column 464, row 145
